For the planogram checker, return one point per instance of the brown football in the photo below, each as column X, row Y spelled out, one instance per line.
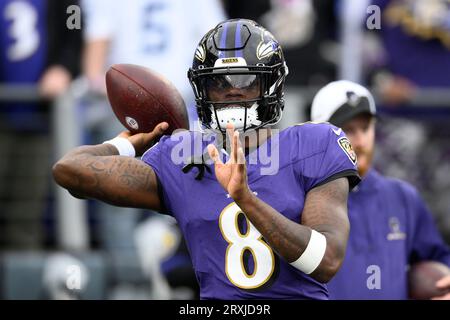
column 422, row 278
column 141, row 98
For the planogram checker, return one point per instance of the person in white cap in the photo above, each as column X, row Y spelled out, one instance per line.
column 391, row 227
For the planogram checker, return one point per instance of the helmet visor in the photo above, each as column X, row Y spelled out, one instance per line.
column 223, row 87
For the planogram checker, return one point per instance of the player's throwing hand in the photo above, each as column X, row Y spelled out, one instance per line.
column 142, row 141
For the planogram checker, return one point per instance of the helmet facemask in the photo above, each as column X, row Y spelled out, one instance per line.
column 246, row 97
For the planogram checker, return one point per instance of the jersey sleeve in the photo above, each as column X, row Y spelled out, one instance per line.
column 155, row 158
column 426, row 242
column 334, row 159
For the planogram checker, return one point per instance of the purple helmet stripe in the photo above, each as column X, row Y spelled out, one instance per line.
column 237, row 40
column 223, row 39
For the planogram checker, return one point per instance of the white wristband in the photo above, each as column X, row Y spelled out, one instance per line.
column 313, row 254
column 123, row 145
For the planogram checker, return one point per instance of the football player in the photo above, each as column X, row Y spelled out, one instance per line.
column 391, row 226
column 277, row 235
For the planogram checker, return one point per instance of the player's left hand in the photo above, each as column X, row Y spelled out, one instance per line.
column 444, row 285
column 232, row 175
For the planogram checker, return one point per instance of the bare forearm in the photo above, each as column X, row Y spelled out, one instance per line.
column 286, row 237
column 98, row 172
column 324, row 211
column 81, row 170
column 68, row 171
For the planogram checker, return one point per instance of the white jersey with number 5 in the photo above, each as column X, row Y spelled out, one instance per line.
column 159, row 34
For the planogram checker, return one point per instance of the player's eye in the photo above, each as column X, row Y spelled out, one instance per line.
column 238, row 81
column 216, row 83
column 242, row 81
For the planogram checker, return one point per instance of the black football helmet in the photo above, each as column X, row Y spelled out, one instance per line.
column 238, row 54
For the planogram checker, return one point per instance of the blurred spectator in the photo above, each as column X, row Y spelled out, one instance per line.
column 153, row 33
column 419, row 153
column 410, row 53
column 351, row 15
column 391, row 226
column 415, row 38
column 158, row 34
column 305, row 29
column 36, row 48
column 407, row 52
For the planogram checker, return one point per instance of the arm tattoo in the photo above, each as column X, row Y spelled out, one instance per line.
column 324, row 211
column 98, row 172
column 332, row 197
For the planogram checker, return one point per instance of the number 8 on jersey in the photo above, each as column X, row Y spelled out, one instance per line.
column 239, row 244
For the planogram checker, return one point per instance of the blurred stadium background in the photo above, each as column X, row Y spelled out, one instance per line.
column 52, row 98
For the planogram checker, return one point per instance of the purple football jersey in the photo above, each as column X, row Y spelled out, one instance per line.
column 22, row 40
column 23, row 55
column 230, row 257
column 411, row 49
